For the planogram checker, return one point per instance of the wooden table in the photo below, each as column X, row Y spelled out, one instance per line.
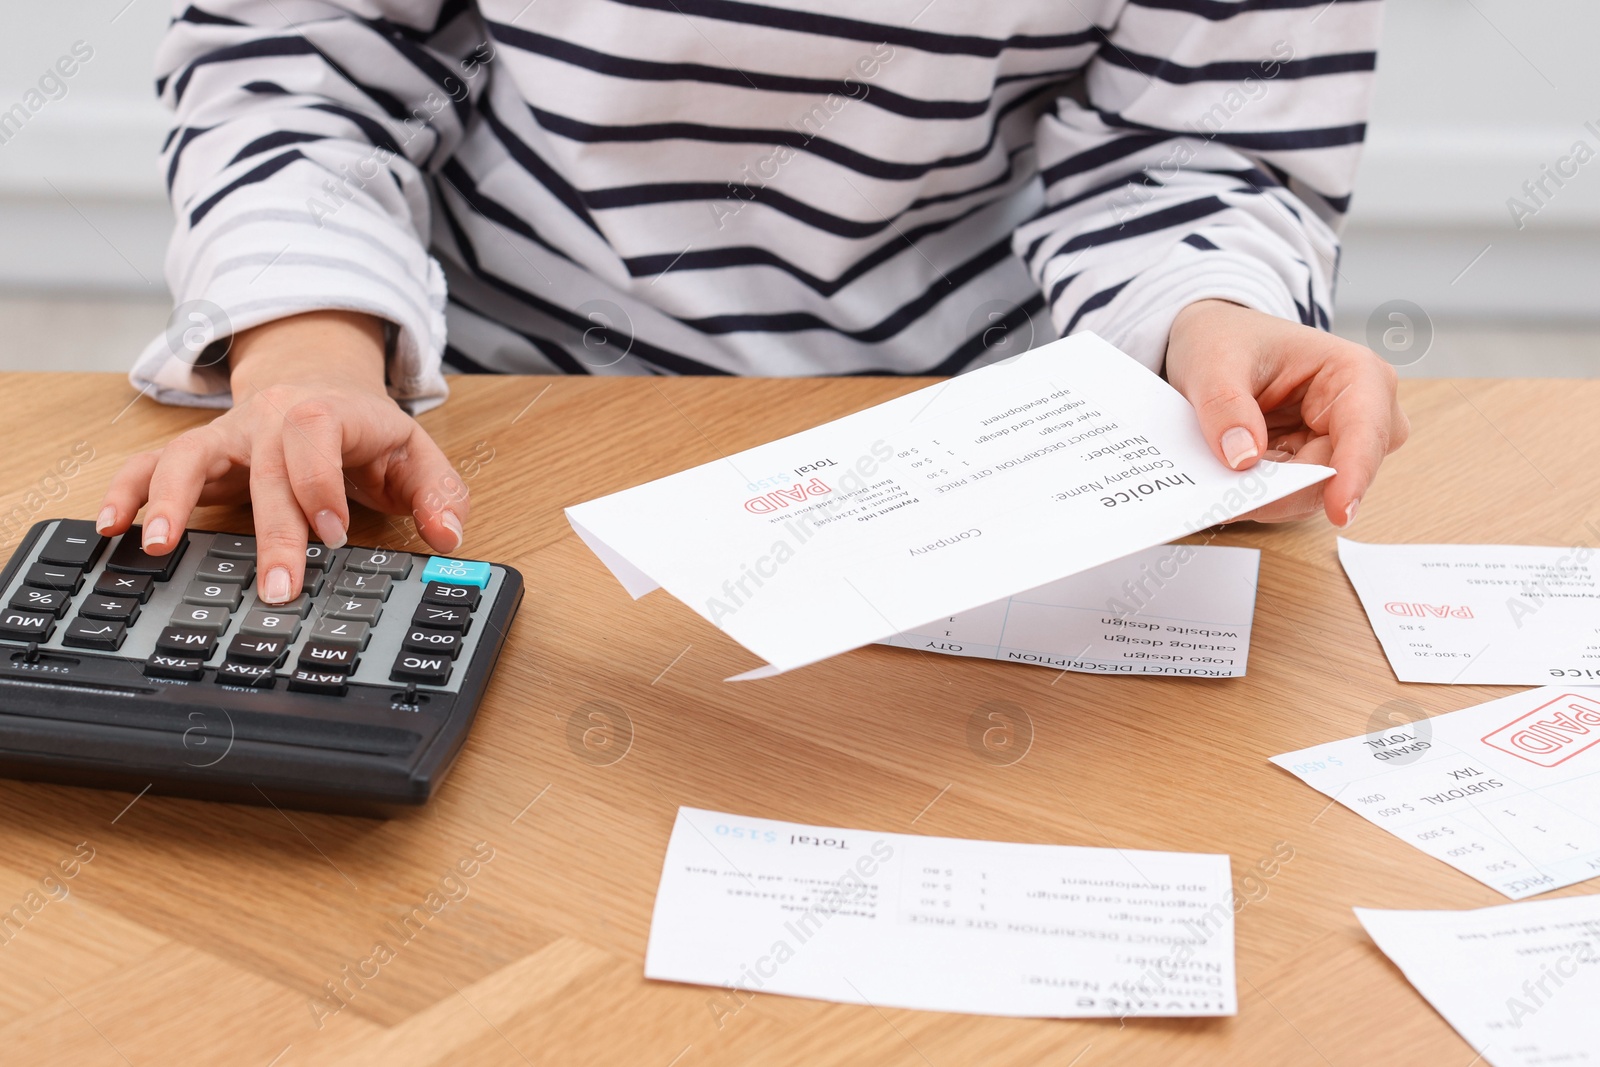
column 203, row 933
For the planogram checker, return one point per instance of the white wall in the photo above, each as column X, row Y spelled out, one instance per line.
column 1474, row 95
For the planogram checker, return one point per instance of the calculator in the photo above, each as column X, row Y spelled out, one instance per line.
column 125, row 670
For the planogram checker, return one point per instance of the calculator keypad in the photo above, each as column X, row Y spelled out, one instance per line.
column 368, row 616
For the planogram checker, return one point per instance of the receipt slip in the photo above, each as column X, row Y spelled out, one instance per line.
column 1505, row 791
column 934, row 503
column 1520, row 982
column 1174, row 610
column 1481, row 614
column 938, row 923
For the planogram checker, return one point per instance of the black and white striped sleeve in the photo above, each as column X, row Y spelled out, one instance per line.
column 295, row 165
column 1210, row 153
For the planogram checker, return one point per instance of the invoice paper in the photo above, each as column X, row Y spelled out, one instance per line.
column 1505, row 791
column 1177, row 610
column 1520, row 982
column 1481, row 614
column 940, row 923
column 937, row 502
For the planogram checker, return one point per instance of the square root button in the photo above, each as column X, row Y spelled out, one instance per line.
column 456, row 571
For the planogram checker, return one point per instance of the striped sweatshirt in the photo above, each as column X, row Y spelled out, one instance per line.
column 767, row 187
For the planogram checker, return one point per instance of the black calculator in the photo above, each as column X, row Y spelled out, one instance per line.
column 126, row 670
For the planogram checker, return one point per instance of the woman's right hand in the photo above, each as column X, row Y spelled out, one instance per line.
column 311, row 428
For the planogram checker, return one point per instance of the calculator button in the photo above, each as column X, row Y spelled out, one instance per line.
column 355, row 583
column 462, row 596
column 358, row 609
column 123, row 609
column 182, row 641
column 420, row 667
column 441, row 617
column 250, row 675
column 270, row 624
column 129, row 558
column 112, row 584
column 94, row 633
column 52, row 600
column 378, row 561
column 27, row 625
column 318, row 557
column 329, row 682
column 249, row 648
column 340, row 632
column 164, row 665
column 50, row 576
column 216, row 569
column 233, row 546
column 456, row 571
column 75, row 543
column 443, row 642
column 298, row 606
column 201, row 617
column 318, row 657
column 224, row 594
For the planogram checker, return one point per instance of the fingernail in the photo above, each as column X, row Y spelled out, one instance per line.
column 155, row 532
column 329, row 529
column 108, row 515
column 1350, row 514
column 275, row 587
column 448, row 520
column 1277, row 455
column 1239, row 446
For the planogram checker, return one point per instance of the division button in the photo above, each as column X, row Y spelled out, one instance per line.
column 163, row 665
column 461, row 596
column 217, row 569
column 250, row 675
column 54, row 601
column 94, row 633
column 442, row 642
column 75, row 543
column 340, row 632
column 378, row 561
column 441, row 617
column 233, row 546
column 18, row 625
column 129, row 558
column 331, row 683
column 248, row 648
column 123, row 609
column 420, row 667
column 50, row 576
column 320, row 657
column 180, row 641
column 111, row 583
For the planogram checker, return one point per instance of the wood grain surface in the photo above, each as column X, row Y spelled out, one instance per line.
column 208, row 934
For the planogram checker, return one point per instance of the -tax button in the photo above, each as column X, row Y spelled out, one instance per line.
column 456, row 571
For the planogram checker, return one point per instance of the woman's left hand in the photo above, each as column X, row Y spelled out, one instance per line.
column 1261, row 384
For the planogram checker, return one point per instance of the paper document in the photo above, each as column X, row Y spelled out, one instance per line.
column 934, row 503
column 1520, row 982
column 1482, row 614
column 1505, row 791
column 940, row 923
column 1179, row 610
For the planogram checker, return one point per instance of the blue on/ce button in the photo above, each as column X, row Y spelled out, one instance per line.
column 456, row 571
